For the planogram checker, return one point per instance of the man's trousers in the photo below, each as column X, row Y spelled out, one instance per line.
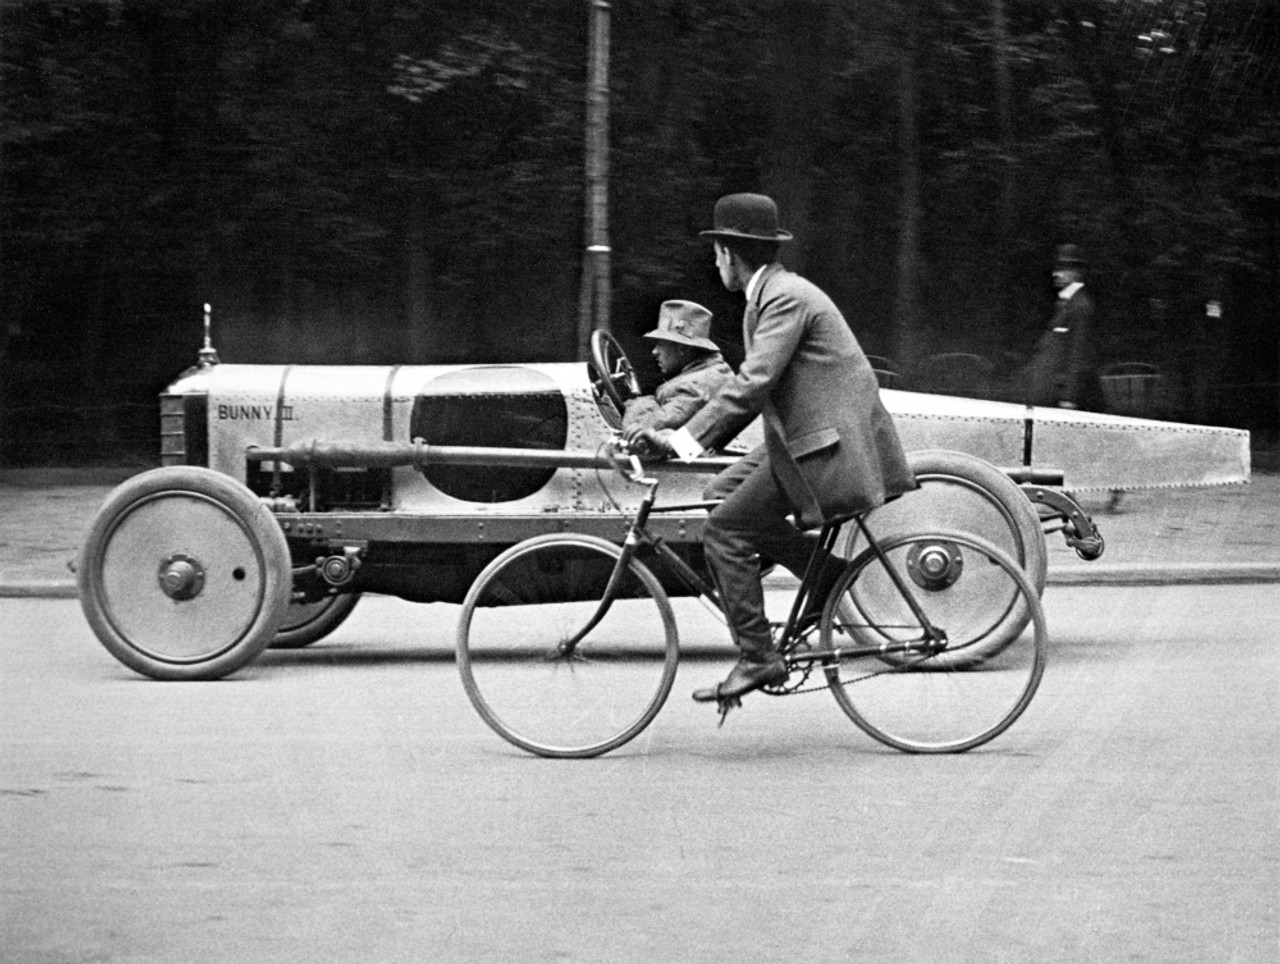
column 750, row 522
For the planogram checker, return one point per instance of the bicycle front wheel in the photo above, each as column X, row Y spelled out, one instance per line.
column 933, row 698
column 562, row 653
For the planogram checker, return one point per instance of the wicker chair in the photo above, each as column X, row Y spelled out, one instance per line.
column 955, row 373
column 1134, row 388
column 886, row 371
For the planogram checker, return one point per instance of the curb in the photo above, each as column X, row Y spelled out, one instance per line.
column 1182, row 574
column 39, row 589
column 1133, row 574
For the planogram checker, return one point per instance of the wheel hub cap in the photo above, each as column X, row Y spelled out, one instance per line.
column 181, row 577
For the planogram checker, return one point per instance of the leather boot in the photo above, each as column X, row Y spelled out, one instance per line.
column 750, row 673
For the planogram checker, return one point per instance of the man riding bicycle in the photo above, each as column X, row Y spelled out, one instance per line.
column 830, row 448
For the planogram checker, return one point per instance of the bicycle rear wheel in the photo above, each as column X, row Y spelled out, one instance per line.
column 549, row 664
column 908, row 696
column 966, row 494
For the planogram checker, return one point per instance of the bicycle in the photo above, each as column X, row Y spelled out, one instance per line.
column 558, row 652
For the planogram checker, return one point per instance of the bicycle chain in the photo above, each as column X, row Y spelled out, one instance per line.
column 789, row 688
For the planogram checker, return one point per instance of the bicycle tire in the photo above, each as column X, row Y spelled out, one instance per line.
column 922, row 703
column 515, row 621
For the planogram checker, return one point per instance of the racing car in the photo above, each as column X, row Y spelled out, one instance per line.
column 285, row 492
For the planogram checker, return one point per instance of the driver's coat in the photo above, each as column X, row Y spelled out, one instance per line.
column 831, row 444
column 675, row 400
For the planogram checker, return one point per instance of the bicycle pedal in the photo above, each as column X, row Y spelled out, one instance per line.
column 725, row 705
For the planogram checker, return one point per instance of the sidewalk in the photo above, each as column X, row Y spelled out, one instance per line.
column 44, row 514
column 1221, row 534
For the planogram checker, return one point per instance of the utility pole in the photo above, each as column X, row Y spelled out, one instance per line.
column 595, row 294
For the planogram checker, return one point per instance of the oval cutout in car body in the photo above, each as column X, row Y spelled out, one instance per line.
column 497, row 407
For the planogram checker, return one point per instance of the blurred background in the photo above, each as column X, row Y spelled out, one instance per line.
column 395, row 182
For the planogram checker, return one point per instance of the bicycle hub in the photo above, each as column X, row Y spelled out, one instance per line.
column 934, row 565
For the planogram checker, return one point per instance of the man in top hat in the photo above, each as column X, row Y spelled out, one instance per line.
column 691, row 363
column 830, row 447
column 1061, row 369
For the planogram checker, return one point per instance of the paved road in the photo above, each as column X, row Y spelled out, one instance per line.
column 344, row 803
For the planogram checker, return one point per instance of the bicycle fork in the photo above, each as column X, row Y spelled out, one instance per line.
column 565, row 649
column 630, row 544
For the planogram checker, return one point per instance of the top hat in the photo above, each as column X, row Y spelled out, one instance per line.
column 1070, row 254
column 685, row 323
column 753, row 216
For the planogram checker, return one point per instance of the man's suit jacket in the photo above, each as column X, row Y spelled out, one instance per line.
column 830, row 442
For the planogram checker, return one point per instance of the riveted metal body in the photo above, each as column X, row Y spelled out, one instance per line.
column 423, row 530
column 426, row 526
column 542, row 407
column 1092, row 450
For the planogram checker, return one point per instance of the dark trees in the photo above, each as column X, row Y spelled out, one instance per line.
column 391, row 182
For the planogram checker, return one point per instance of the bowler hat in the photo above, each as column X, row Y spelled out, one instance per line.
column 752, row 216
column 1069, row 254
column 685, row 323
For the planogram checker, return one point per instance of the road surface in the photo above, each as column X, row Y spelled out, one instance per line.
column 344, row 803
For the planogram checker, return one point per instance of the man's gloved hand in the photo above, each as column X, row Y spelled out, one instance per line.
column 649, row 441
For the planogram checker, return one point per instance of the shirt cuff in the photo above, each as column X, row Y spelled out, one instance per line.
column 684, row 445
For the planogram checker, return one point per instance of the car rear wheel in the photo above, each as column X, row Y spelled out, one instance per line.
column 965, row 493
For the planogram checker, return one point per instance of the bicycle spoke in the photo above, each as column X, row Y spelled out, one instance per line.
column 551, row 667
column 897, row 688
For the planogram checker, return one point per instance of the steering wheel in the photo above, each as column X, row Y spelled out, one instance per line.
column 612, row 373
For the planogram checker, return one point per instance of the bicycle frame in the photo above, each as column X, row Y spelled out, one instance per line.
column 556, row 687
column 931, row 642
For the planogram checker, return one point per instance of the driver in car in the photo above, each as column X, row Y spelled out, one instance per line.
column 691, row 364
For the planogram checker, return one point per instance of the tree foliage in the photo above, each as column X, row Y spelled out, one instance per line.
column 385, row 181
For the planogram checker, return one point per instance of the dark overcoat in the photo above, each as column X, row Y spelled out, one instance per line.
column 1062, row 368
column 830, row 442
